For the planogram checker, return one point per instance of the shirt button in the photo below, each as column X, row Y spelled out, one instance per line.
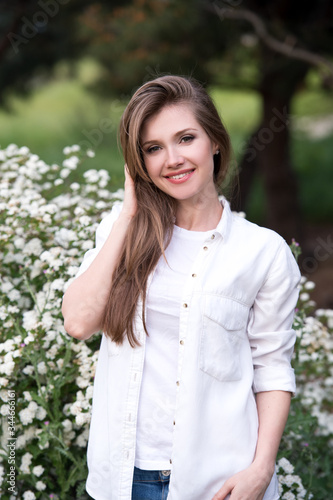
column 213, row 236
column 170, row 461
column 205, row 248
column 185, row 305
column 181, row 342
column 177, row 383
column 174, row 423
column 194, row 275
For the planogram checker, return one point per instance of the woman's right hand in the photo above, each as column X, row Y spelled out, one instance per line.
column 130, row 202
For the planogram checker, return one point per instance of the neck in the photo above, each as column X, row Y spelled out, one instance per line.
column 200, row 216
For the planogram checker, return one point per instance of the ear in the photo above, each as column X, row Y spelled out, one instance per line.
column 215, row 148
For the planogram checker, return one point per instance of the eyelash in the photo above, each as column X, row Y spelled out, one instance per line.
column 185, row 139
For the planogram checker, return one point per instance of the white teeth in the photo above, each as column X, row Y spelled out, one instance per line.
column 180, row 176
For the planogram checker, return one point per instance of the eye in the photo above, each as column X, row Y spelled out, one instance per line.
column 152, row 149
column 187, row 138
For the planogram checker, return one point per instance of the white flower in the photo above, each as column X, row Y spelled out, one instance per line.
column 41, row 413
column 91, row 176
column 4, row 410
column 42, row 368
column 3, row 383
column 30, row 320
column 19, row 243
column 7, row 346
column 38, row 470
column 40, row 486
column 28, row 370
column 65, row 236
column 24, row 151
column 7, row 368
column 28, row 414
column 288, row 496
column 33, row 247
column 58, row 284
column 90, row 153
column 25, row 464
column 29, row 495
column 71, row 163
column 286, row 465
column 87, row 245
column 47, row 320
column 23, row 438
column 67, row 424
column 60, row 363
column 309, row 285
column 289, row 480
column 304, row 297
column 64, row 173
column 14, row 295
column 27, row 396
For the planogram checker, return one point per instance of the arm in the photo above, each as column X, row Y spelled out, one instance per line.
column 85, row 299
column 271, row 339
column 251, row 483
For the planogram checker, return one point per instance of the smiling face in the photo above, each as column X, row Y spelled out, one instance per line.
column 178, row 154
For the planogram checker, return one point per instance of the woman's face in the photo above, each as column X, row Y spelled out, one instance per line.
column 178, row 154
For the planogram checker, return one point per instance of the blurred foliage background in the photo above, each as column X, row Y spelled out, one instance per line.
column 68, row 67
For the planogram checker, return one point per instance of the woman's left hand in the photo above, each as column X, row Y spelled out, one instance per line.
column 248, row 484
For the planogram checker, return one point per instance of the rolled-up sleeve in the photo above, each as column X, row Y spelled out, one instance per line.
column 270, row 330
column 101, row 236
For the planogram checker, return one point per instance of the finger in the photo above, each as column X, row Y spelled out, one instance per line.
column 223, row 493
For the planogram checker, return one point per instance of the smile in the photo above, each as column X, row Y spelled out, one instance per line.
column 181, row 176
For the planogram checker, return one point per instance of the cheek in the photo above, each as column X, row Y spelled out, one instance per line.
column 152, row 168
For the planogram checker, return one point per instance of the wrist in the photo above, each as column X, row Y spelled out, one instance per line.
column 265, row 468
column 125, row 217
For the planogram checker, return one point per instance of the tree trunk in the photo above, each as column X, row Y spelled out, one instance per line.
column 268, row 151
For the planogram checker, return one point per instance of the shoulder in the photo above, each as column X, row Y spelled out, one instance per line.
column 251, row 233
column 262, row 246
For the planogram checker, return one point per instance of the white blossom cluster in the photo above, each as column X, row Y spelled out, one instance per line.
column 290, row 485
column 315, row 356
column 43, row 237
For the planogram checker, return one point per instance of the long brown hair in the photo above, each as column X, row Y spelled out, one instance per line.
column 151, row 229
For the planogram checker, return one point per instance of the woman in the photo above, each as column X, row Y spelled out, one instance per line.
column 193, row 383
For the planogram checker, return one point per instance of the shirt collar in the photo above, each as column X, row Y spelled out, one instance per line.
column 223, row 227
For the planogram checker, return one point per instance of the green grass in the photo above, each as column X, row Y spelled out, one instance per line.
column 63, row 112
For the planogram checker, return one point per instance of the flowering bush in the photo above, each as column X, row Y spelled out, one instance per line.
column 44, row 374
column 46, row 377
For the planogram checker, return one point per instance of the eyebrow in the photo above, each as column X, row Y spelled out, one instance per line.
column 177, row 134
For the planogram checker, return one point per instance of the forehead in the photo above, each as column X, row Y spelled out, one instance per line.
column 170, row 120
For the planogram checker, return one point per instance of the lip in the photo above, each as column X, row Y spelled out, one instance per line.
column 188, row 174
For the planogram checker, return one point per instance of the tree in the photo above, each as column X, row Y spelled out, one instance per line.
column 34, row 36
column 138, row 39
column 150, row 37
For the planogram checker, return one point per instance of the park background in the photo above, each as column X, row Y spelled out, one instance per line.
column 67, row 70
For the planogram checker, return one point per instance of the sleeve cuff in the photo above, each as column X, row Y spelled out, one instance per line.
column 274, row 379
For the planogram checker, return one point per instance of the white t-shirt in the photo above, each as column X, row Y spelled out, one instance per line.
column 158, row 391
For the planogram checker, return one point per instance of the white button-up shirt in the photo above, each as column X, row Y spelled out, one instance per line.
column 235, row 339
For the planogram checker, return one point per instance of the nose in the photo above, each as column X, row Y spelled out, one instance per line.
column 174, row 158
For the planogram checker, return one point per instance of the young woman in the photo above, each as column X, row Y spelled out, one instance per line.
column 193, row 383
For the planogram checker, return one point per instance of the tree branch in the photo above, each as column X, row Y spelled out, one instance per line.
column 287, row 49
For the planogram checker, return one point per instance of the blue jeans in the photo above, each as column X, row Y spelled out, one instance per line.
column 150, row 484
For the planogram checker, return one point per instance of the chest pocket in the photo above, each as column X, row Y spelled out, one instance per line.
column 223, row 331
